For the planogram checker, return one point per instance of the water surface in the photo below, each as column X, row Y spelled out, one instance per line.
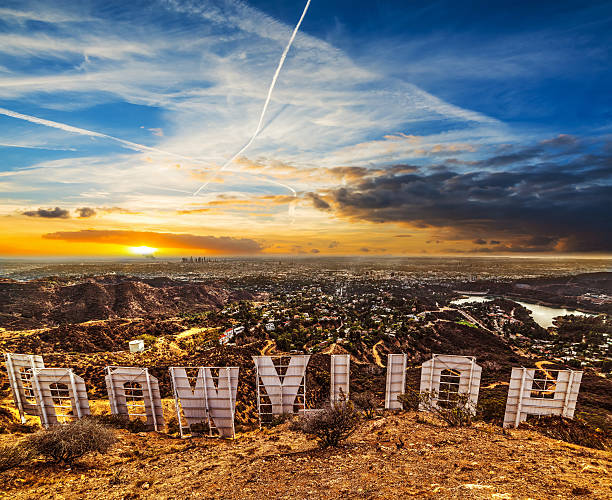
column 542, row 315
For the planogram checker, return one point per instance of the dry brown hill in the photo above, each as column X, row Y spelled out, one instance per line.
column 49, row 301
column 393, row 456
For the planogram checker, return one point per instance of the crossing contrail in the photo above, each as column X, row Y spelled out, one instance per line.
column 132, row 145
column 267, row 101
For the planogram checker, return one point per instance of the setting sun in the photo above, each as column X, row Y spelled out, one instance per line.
column 143, row 250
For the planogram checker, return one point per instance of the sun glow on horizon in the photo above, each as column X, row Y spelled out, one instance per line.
column 143, row 250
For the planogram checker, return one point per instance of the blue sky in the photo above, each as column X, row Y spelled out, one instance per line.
column 479, row 89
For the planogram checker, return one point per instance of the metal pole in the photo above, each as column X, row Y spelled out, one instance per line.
column 111, row 384
column 176, row 401
column 404, row 363
column 568, row 391
column 433, row 365
column 519, row 406
column 258, row 392
column 469, row 392
column 281, row 384
column 304, row 379
column 75, row 394
column 15, row 386
column 332, row 395
column 152, row 403
column 206, row 404
column 229, row 388
column 41, row 399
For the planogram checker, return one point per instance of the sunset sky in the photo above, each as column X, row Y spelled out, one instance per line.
column 395, row 127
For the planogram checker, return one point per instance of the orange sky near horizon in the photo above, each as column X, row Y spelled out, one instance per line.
column 111, row 237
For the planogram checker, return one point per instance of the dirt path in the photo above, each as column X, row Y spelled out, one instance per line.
column 377, row 359
column 329, row 349
column 495, row 384
column 190, row 332
column 265, row 351
column 539, row 366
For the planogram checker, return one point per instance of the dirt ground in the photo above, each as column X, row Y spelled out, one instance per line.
column 392, row 456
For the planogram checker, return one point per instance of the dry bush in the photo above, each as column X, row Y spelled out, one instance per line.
column 571, row 431
column 410, row 400
column 331, row 425
column 456, row 413
column 367, row 402
column 71, row 441
column 134, row 425
column 491, row 408
column 598, row 419
column 14, row 455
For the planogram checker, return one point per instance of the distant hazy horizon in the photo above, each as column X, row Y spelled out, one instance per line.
column 424, row 266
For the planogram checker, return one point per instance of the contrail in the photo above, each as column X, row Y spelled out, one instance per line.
column 90, row 133
column 132, row 145
column 25, row 146
column 268, row 97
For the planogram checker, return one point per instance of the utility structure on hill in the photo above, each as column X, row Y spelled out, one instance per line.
column 396, row 380
column 445, row 377
column 541, row 392
column 134, row 393
column 205, row 399
column 19, row 368
column 281, row 385
column 340, row 372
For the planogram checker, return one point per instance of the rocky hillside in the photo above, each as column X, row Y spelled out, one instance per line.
column 392, row 456
column 49, row 301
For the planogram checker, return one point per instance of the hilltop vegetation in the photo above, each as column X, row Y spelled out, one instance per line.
column 391, row 456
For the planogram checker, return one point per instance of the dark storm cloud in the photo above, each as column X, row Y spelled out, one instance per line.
column 49, row 213
column 508, row 155
column 318, row 202
column 85, row 212
column 214, row 244
column 548, row 205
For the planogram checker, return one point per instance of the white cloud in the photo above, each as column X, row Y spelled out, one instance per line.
column 207, row 68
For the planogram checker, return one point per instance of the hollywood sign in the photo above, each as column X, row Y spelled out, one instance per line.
column 205, row 397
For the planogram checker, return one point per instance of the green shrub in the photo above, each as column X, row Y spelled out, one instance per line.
column 71, row 441
column 598, row 419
